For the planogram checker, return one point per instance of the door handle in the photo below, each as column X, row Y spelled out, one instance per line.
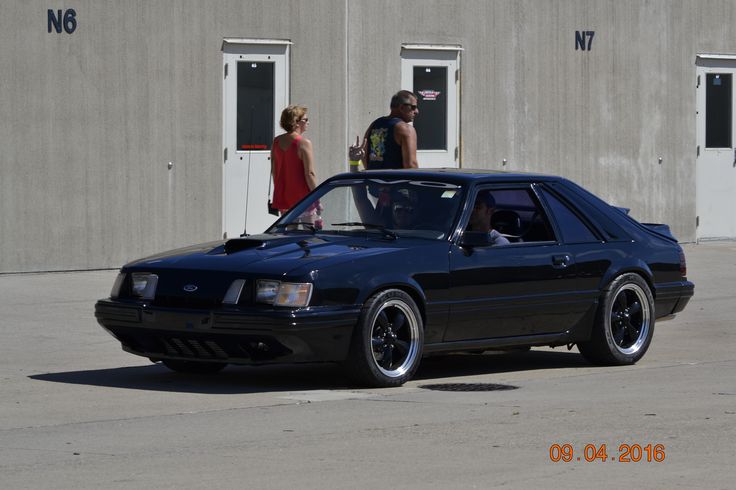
column 561, row 261
column 734, row 157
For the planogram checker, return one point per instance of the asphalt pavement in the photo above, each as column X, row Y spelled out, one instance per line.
column 76, row 412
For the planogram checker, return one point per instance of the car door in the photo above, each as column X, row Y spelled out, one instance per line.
column 528, row 287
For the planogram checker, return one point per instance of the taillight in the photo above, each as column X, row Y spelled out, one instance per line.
column 683, row 265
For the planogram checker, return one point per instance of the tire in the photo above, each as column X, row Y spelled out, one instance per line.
column 387, row 343
column 624, row 323
column 193, row 367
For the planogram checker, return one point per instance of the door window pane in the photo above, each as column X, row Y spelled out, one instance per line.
column 718, row 110
column 430, row 85
column 519, row 216
column 255, row 105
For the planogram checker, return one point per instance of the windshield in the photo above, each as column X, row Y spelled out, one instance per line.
column 393, row 208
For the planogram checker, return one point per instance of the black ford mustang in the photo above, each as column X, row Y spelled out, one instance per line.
column 377, row 269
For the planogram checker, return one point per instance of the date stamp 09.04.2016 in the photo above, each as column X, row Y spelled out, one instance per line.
column 589, row 453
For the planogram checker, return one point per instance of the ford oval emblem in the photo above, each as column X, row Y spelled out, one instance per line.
column 190, row 288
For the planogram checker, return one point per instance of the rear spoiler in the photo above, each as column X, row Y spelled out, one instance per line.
column 660, row 229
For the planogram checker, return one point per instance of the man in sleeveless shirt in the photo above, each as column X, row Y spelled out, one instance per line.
column 391, row 141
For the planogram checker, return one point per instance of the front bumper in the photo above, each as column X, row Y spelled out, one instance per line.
column 254, row 336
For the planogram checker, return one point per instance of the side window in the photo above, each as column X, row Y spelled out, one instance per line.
column 573, row 229
column 519, row 216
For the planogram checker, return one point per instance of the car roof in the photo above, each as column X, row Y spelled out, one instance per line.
column 457, row 175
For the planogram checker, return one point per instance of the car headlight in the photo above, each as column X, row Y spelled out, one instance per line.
column 283, row 293
column 143, row 285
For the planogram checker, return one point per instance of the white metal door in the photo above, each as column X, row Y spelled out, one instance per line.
column 432, row 72
column 716, row 147
column 255, row 91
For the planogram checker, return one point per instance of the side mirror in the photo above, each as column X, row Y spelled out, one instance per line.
column 470, row 239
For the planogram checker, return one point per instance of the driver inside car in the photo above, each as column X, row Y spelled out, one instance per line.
column 403, row 210
column 480, row 219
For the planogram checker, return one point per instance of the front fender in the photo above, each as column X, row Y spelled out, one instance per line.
column 392, row 280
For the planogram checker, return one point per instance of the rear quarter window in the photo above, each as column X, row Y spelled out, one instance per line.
column 601, row 214
column 572, row 227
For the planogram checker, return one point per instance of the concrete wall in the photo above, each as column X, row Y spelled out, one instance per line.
column 91, row 119
column 601, row 117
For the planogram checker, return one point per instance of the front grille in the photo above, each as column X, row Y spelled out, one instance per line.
column 193, row 348
column 252, row 347
column 216, row 349
column 197, row 289
column 211, row 300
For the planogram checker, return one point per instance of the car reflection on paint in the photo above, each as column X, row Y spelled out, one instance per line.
column 375, row 270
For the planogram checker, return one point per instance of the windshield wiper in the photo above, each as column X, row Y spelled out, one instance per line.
column 306, row 224
column 369, row 226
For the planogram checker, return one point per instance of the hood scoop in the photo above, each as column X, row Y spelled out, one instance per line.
column 264, row 242
column 238, row 244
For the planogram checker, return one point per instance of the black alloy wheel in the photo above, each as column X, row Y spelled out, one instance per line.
column 387, row 345
column 624, row 325
column 630, row 319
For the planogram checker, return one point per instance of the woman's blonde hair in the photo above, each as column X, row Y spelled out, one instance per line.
column 291, row 116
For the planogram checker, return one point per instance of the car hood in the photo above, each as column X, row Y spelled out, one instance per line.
column 275, row 254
